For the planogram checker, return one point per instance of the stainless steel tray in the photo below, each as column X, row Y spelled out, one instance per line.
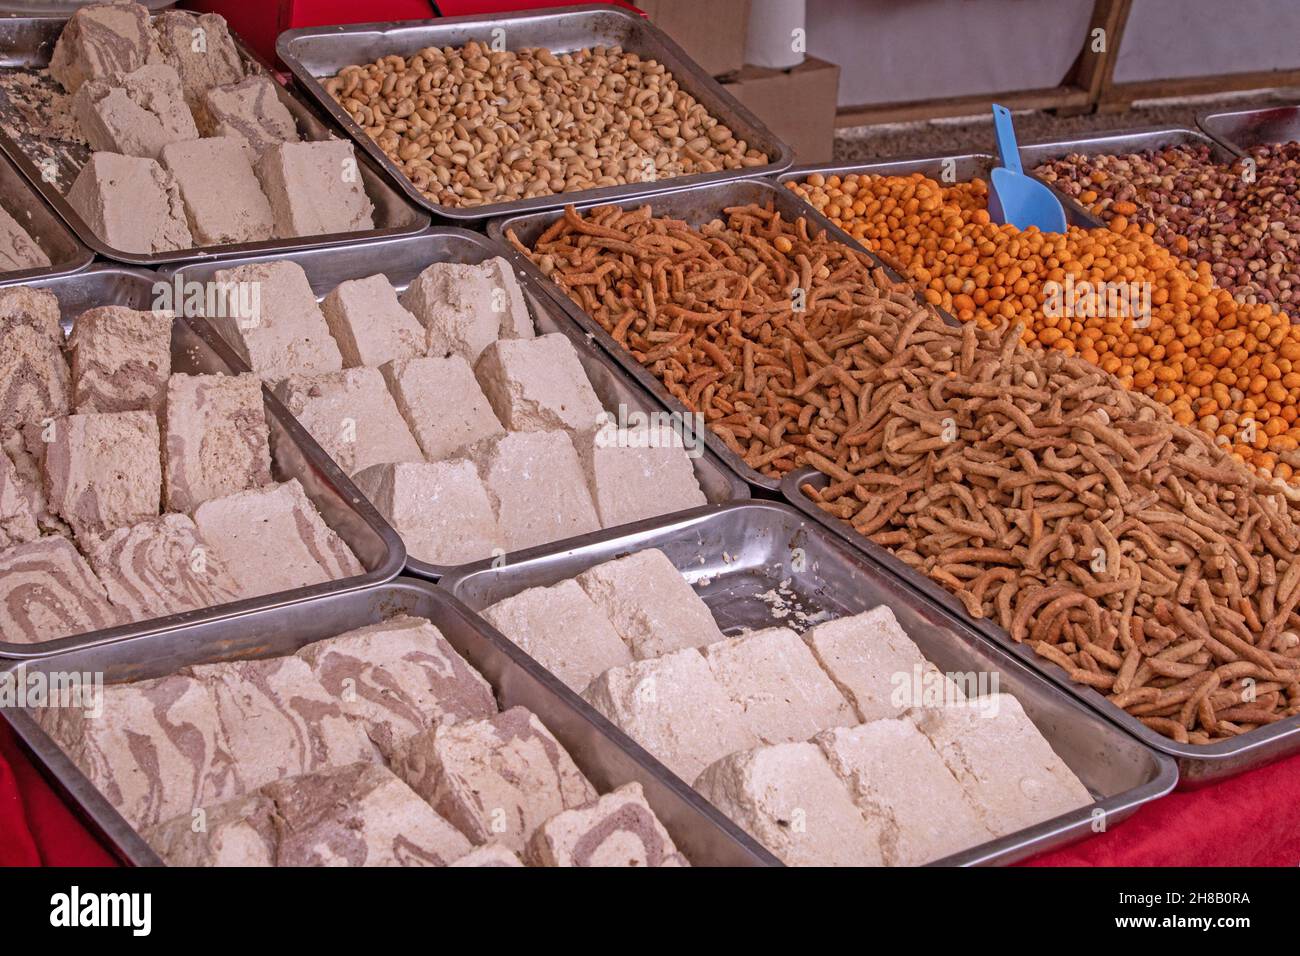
column 28, row 42
column 1239, row 130
column 737, row 555
column 196, row 349
column 47, row 230
column 1121, row 142
column 696, row 207
column 604, row 754
column 1197, row 766
column 401, row 260
column 960, row 169
column 312, row 53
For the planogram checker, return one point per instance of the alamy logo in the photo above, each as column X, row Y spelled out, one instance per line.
column 21, row 689
column 633, row 429
column 133, row 911
column 1107, row 300
column 930, row 687
column 241, row 301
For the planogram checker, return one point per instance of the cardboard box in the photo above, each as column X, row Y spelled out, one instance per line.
column 797, row 105
column 712, row 33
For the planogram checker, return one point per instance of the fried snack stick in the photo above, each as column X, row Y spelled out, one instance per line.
column 1122, row 546
column 752, row 322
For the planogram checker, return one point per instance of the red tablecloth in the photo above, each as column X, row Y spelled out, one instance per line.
column 1250, row 820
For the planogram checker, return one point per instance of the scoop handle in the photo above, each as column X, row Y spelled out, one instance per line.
column 1005, row 132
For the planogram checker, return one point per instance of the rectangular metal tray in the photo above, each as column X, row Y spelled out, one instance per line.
column 402, row 259
column 47, row 230
column 197, row 349
column 945, row 169
column 1239, row 130
column 1121, row 142
column 1197, row 766
column 28, row 43
column 738, row 556
column 695, row 206
column 605, row 755
column 312, row 53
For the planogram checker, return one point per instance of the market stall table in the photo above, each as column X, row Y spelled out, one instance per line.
column 1249, row 820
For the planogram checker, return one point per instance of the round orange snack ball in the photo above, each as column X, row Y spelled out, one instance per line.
column 1232, row 369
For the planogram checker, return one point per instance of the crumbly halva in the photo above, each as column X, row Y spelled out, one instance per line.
column 251, row 111
column 352, row 416
column 535, row 484
column 442, row 403
column 315, row 188
column 652, row 607
column 158, row 567
column 874, row 663
column 121, row 359
column 496, row 779
column 619, row 829
column 277, row 721
column 102, row 470
column 399, row 677
column 1007, row 768
column 788, row 798
column 636, row 473
column 201, row 50
column 47, row 591
column 441, row 509
column 273, row 539
column 563, row 629
column 675, row 708
column 896, row 778
column 223, row 201
column 268, row 314
column 466, row 308
column 538, row 384
column 131, row 203
column 156, row 751
column 370, row 325
column 18, row 250
column 134, row 114
column 101, row 39
column 772, row 676
column 217, row 442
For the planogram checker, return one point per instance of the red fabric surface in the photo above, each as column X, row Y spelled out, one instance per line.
column 1250, row 820
column 36, row 826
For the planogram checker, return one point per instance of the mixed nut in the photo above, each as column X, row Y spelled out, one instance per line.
column 472, row 125
column 1242, row 219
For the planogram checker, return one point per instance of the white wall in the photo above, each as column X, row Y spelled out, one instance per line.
column 1166, row 39
column 895, row 50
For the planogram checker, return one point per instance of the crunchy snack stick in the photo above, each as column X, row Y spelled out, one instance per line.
column 1121, row 545
column 737, row 319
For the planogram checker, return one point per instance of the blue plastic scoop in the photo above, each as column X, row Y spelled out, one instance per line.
column 1014, row 197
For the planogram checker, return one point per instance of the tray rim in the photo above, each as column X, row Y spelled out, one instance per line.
column 1206, row 119
column 73, row 221
column 681, row 67
column 389, row 568
column 84, row 256
column 1148, row 132
column 1076, row 213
